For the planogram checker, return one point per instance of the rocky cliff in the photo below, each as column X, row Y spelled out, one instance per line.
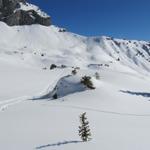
column 19, row 12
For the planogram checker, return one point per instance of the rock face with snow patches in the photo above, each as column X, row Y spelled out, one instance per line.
column 19, row 12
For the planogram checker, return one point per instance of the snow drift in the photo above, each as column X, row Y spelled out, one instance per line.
column 67, row 85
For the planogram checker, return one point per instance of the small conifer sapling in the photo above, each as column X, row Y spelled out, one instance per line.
column 86, row 80
column 84, row 130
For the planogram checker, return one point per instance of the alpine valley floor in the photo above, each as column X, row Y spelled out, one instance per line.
column 118, row 110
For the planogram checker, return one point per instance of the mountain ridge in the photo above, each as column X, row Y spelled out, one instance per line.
column 19, row 12
column 41, row 46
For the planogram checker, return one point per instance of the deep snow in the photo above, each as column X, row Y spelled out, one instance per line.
column 118, row 109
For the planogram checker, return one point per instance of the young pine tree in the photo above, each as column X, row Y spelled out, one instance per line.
column 86, row 80
column 84, row 130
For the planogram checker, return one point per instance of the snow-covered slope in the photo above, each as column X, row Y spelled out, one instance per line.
column 118, row 109
column 41, row 46
column 118, row 120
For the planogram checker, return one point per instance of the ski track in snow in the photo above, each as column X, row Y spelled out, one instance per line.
column 6, row 103
column 99, row 110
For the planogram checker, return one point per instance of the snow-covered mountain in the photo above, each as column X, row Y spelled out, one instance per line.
column 41, row 46
column 42, row 91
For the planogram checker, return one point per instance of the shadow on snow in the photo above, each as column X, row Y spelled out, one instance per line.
column 144, row 94
column 58, row 144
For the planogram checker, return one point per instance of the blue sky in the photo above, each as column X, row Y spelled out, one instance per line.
column 118, row 18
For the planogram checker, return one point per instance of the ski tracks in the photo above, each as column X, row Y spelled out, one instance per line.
column 6, row 103
column 100, row 111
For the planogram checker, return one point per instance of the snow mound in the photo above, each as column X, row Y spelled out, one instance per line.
column 68, row 85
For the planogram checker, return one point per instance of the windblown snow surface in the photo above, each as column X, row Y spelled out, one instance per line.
column 118, row 109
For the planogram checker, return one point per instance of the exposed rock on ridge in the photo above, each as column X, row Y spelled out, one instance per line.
column 19, row 12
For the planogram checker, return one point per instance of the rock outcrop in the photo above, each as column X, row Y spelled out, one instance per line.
column 19, row 12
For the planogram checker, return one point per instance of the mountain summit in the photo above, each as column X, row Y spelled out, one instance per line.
column 19, row 12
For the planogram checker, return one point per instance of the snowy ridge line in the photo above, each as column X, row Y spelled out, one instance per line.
column 100, row 111
column 13, row 101
column 43, row 94
column 52, row 85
